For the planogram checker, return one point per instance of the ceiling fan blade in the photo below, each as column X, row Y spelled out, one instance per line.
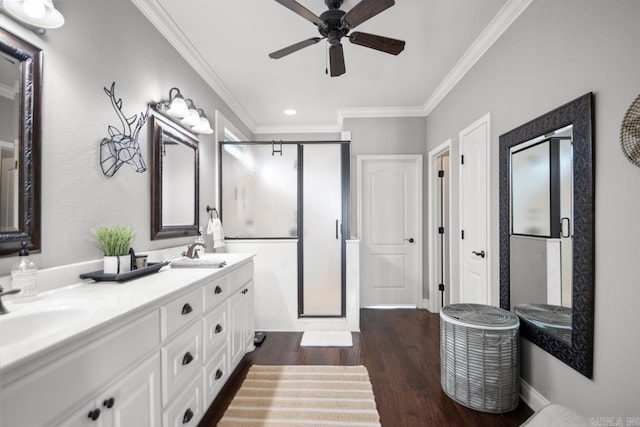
column 294, row 47
column 383, row 44
column 336, row 60
column 364, row 10
column 302, row 11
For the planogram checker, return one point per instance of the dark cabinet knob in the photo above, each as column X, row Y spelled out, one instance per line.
column 410, row 240
column 217, row 290
column 94, row 415
column 186, row 309
column 218, row 328
column 188, row 414
column 108, row 403
column 188, row 358
column 218, row 374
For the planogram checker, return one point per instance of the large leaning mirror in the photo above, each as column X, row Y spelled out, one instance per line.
column 547, row 231
column 20, row 134
column 174, row 179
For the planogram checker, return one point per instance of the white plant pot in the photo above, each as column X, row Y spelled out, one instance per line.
column 117, row 264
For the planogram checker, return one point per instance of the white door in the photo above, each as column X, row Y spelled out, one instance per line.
column 390, row 230
column 474, row 202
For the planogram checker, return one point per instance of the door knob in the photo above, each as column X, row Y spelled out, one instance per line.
column 480, row 254
column 410, row 240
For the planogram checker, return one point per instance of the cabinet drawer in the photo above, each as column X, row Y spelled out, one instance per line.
column 57, row 387
column 215, row 293
column 187, row 409
column 180, row 311
column 181, row 358
column 216, row 373
column 216, row 331
column 241, row 276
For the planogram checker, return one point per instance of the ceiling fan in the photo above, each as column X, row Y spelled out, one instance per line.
column 334, row 24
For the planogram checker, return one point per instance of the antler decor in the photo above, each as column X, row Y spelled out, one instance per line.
column 122, row 146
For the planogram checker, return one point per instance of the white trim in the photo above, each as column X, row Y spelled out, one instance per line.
column 484, row 120
column 417, row 158
column 492, row 32
column 532, row 397
column 156, row 14
column 434, row 155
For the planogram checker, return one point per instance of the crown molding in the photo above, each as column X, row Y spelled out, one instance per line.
column 512, row 9
column 156, row 14
column 492, row 32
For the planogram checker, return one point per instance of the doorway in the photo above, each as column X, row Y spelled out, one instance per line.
column 390, row 230
column 439, row 290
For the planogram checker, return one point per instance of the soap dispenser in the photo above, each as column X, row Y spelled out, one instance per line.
column 24, row 276
column 199, row 248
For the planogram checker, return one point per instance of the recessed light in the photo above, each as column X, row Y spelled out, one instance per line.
column 290, row 112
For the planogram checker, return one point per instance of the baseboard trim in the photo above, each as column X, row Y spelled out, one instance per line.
column 532, row 397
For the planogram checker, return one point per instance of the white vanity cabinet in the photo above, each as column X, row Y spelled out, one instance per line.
column 133, row 401
column 161, row 364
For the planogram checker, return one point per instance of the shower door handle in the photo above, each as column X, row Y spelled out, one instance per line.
column 337, row 226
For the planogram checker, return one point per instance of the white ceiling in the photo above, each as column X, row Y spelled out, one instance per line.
column 228, row 42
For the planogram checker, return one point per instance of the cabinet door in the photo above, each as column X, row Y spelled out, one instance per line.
column 135, row 401
column 249, row 318
column 236, row 333
column 83, row 417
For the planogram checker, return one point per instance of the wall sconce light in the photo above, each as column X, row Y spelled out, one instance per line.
column 185, row 112
column 39, row 15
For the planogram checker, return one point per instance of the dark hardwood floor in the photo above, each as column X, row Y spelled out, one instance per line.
column 401, row 350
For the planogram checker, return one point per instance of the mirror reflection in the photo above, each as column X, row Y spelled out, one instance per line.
column 20, row 86
column 541, row 173
column 9, row 142
column 174, row 179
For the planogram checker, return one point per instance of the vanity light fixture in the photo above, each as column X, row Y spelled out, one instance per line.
column 39, row 15
column 192, row 118
column 184, row 112
column 203, row 126
column 177, row 105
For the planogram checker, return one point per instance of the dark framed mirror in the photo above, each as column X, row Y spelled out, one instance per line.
column 20, row 143
column 174, row 179
column 547, row 249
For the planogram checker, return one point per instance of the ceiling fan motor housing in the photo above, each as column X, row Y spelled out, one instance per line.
column 334, row 29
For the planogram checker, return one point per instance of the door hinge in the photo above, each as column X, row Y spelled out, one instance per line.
column 440, row 174
column 441, row 287
column 462, row 234
column 462, row 159
column 440, row 230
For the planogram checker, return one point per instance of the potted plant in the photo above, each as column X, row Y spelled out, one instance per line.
column 115, row 243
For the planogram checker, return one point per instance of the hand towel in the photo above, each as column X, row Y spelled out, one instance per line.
column 185, row 262
column 215, row 229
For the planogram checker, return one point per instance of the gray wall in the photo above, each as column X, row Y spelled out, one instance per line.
column 555, row 52
column 102, row 42
column 404, row 135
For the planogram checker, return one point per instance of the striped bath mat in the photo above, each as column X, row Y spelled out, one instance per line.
column 303, row 396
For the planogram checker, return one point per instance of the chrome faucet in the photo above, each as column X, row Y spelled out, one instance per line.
column 3, row 309
column 191, row 250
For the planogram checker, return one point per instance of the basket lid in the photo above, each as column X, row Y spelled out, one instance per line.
column 484, row 316
column 550, row 315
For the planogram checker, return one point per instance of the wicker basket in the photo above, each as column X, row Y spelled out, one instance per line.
column 480, row 357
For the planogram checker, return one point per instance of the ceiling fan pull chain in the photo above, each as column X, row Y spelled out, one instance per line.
column 326, row 58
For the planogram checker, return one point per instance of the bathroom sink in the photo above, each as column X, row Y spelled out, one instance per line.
column 25, row 326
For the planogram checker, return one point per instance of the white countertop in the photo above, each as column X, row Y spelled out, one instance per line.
column 57, row 317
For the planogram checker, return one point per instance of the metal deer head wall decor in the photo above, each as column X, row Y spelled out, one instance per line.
column 122, row 146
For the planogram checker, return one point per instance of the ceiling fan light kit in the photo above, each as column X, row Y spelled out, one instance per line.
column 334, row 24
